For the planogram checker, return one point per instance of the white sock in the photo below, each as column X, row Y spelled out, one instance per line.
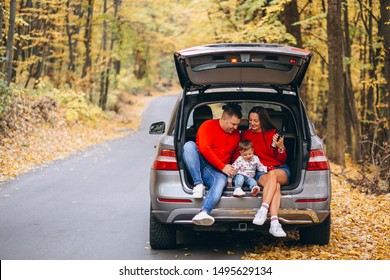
column 265, row 206
column 274, row 220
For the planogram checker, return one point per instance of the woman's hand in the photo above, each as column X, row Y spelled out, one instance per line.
column 280, row 142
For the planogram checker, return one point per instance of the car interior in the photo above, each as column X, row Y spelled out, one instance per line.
column 280, row 115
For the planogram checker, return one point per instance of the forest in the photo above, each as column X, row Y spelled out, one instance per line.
column 89, row 56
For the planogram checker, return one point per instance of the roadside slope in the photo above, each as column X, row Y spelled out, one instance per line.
column 48, row 141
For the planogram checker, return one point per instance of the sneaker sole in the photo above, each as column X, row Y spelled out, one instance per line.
column 203, row 222
column 197, row 195
column 258, row 223
column 283, row 235
column 255, row 193
column 239, row 195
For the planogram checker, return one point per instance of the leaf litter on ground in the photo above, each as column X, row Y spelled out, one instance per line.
column 360, row 229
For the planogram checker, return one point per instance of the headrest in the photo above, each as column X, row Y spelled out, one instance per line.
column 201, row 114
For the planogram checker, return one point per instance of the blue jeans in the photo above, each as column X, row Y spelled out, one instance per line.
column 242, row 180
column 203, row 173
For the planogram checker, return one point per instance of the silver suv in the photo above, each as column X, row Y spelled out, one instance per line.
column 266, row 75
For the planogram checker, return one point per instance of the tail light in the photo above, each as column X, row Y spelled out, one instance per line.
column 165, row 160
column 317, row 161
column 174, row 200
column 309, row 200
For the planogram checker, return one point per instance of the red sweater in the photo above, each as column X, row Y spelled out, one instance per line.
column 215, row 145
column 268, row 155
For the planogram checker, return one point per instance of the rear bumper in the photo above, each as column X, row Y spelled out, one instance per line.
column 286, row 216
column 183, row 207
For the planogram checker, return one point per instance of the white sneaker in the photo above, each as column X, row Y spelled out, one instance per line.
column 260, row 216
column 255, row 190
column 277, row 231
column 238, row 192
column 203, row 219
column 198, row 191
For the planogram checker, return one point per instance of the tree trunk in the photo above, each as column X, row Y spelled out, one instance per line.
column 385, row 29
column 352, row 122
column 117, row 66
column 71, row 66
column 385, row 18
column 371, row 76
column 140, row 62
column 87, row 42
column 291, row 16
column 26, row 54
column 114, row 38
column 39, row 71
column 335, row 139
column 103, row 73
column 1, row 28
column 369, row 116
column 10, row 41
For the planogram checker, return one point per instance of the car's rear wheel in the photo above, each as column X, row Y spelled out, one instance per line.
column 316, row 235
column 161, row 236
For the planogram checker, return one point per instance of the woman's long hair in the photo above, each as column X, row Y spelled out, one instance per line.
column 265, row 121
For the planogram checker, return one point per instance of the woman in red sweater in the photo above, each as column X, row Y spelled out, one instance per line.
column 263, row 134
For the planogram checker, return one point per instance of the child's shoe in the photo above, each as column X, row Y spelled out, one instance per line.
column 238, row 192
column 255, row 190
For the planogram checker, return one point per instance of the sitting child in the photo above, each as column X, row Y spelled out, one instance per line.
column 246, row 165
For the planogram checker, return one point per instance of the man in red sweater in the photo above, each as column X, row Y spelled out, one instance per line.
column 208, row 160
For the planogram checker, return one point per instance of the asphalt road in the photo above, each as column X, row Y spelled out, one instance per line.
column 94, row 205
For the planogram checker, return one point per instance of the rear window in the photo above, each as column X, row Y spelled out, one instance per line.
column 200, row 113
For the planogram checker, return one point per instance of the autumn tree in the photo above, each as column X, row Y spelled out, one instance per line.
column 353, row 135
column 103, row 71
column 1, row 23
column 87, row 40
column 10, row 41
column 335, row 138
column 73, row 16
column 385, row 28
column 291, row 21
column 385, row 25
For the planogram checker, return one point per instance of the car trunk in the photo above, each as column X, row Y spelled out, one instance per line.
column 267, row 73
column 285, row 119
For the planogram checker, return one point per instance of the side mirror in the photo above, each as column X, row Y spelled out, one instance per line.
column 157, row 128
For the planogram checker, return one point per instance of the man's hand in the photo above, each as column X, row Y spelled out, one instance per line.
column 229, row 170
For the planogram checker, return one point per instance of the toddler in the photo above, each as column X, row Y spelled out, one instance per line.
column 246, row 165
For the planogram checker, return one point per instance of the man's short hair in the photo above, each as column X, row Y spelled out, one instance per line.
column 232, row 110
